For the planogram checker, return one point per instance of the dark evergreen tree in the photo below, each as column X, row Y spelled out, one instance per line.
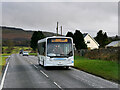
column 106, row 39
column 37, row 35
column 116, row 38
column 102, row 38
column 69, row 34
column 79, row 40
column 99, row 38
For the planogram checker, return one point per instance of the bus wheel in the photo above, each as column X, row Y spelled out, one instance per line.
column 67, row 67
column 39, row 64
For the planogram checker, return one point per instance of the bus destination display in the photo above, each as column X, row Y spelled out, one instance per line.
column 59, row 40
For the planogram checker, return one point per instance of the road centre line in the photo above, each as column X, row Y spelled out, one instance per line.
column 3, row 79
column 30, row 62
column 58, row 85
column 35, row 66
column 43, row 73
column 47, row 77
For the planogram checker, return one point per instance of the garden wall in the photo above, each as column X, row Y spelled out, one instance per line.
column 111, row 54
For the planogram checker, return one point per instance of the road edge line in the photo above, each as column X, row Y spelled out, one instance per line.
column 35, row 66
column 3, row 79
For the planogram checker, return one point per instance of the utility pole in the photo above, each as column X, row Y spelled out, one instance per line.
column 57, row 29
column 61, row 30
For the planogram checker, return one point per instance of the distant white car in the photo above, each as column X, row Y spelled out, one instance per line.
column 25, row 53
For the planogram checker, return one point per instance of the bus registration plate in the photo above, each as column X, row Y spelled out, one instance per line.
column 60, row 63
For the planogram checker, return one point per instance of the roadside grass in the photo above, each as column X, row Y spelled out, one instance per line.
column 104, row 69
column 2, row 62
column 34, row 54
column 5, row 54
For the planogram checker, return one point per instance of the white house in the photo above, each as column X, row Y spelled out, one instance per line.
column 90, row 41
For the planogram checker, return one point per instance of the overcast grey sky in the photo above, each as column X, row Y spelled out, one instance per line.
column 88, row 17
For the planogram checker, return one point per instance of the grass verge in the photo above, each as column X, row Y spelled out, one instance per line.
column 5, row 54
column 2, row 62
column 35, row 54
column 104, row 69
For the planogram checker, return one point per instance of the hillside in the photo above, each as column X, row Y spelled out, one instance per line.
column 19, row 36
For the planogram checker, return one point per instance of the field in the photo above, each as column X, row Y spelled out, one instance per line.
column 16, row 49
column 104, row 69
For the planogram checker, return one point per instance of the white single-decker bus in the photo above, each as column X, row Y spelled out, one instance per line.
column 56, row 51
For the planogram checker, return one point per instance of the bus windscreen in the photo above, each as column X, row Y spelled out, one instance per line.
column 57, row 47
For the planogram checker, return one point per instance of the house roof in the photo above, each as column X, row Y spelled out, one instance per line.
column 114, row 43
column 85, row 34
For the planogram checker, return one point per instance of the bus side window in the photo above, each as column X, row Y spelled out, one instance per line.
column 38, row 51
column 39, row 48
column 43, row 48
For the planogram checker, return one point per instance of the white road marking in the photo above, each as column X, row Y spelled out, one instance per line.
column 31, row 62
column 43, row 73
column 57, row 85
column 35, row 66
column 3, row 79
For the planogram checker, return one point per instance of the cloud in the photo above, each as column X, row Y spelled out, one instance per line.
column 86, row 16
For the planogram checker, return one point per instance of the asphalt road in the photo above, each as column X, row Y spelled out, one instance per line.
column 24, row 72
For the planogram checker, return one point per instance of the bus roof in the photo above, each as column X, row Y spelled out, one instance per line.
column 43, row 40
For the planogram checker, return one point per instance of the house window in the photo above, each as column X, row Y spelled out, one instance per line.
column 88, row 42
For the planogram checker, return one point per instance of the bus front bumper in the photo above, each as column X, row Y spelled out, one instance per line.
column 59, row 64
